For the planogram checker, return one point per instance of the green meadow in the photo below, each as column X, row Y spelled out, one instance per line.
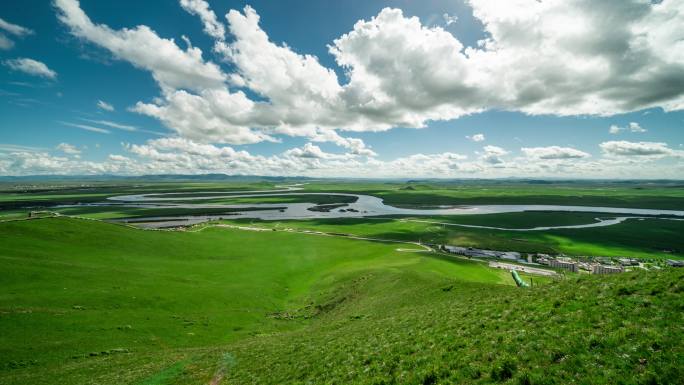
column 74, row 288
column 655, row 195
column 648, row 238
column 651, row 239
column 90, row 302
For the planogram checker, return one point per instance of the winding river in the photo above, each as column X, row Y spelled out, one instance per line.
column 364, row 206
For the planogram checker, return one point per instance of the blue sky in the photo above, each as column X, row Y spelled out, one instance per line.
column 50, row 121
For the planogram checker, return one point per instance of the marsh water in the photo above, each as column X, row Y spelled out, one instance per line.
column 363, row 206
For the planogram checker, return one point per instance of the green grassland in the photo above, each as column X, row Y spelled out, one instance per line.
column 648, row 238
column 121, row 212
column 622, row 330
column 639, row 194
column 72, row 288
column 87, row 302
column 582, row 193
column 644, row 239
column 12, row 196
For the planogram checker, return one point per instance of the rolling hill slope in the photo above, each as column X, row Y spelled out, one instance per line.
column 91, row 302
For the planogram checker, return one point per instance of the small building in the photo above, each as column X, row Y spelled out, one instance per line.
column 628, row 261
column 565, row 265
column 606, row 269
column 510, row 255
column 454, row 249
column 674, row 263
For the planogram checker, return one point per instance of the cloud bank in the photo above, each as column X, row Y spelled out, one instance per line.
column 556, row 57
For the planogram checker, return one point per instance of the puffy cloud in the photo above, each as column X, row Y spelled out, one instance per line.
column 308, row 151
column 311, row 151
column 354, row 145
column 476, row 137
column 493, row 154
column 118, row 158
column 68, row 149
column 105, row 106
column 577, row 57
column 441, row 165
column 170, row 66
column 554, row 152
column 449, row 19
column 398, row 64
column 212, row 116
column 14, row 29
column 183, row 156
column 645, row 149
column 357, row 147
column 31, row 67
column 402, row 73
column 212, row 26
column 34, row 163
column 562, row 57
column 173, row 155
column 633, row 127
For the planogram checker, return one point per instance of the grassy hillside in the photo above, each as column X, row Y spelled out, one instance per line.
column 78, row 293
column 89, row 302
column 617, row 330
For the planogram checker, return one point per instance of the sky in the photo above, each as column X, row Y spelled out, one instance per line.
column 396, row 88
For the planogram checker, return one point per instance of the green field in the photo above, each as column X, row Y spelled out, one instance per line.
column 644, row 239
column 650, row 239
column 653, row 195
column 90, row 302
column 656, row 195
column 81, row 287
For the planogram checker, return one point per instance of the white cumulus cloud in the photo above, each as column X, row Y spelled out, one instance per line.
column 170, row 66
column 68, row 149
column 449, row 19
column 643, row 149
column 493, row 154
column 632, row 127
column 476, row 137
column 554, row 152
column 212, row 26
column 569, row 57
